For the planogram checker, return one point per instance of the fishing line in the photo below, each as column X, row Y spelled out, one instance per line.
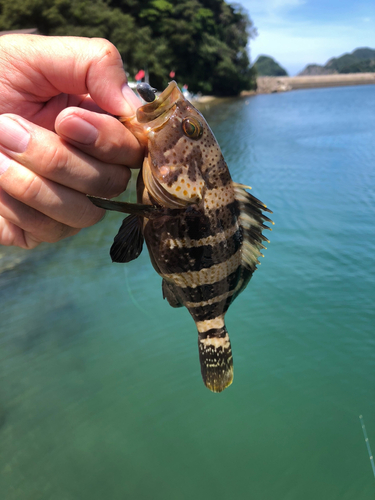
column 130, row 293
column 367, row 444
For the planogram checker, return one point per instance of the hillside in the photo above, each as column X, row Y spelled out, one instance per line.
column 204, row 42
column 361, row 60
column 266, row 66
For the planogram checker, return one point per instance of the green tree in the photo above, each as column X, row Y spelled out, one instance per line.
column 266, row 66
column 359, row 61
column 203, row 41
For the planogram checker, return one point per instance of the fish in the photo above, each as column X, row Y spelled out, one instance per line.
column 203, row 231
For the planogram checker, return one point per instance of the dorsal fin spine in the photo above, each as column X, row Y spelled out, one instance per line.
column 251, row 220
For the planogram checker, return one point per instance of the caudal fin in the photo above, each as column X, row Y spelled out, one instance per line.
column 215, row 355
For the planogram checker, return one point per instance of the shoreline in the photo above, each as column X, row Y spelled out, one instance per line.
column 271, row 84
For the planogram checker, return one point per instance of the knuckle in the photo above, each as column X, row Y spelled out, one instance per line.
column 88, row 215
column 114, row 185
column 41, row 228
column 29, row 242
column 54, row 160
column 52, row 231
column 104, row 49
column 111, row 149
column 60, row 232
column 29, row 189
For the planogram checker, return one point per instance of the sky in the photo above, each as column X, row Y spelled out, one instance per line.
column 300, row 32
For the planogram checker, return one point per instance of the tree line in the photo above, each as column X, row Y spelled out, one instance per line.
column 204, row 42
column 267, row 66
column 361, row 60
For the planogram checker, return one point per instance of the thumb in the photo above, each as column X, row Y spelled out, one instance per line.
column 49, row 66
column 106, row 80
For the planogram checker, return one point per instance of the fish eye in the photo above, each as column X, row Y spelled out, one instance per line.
column 192, row 128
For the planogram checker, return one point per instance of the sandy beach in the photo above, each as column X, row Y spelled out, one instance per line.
column 269, row 84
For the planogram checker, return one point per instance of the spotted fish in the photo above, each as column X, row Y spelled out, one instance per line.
column 203, row 231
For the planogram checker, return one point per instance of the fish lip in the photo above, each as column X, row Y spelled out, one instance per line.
column 153, row 116
column 161, row 120
column 159, row 108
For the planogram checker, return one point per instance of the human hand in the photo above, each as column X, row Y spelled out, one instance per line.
column 57, row 143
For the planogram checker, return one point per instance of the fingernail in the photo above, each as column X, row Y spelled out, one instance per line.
column 4, row 162
column 12, row 135
column 78, row 130
column 133, row 101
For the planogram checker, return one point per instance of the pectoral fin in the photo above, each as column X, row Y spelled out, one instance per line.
column 128, row 242
column 121, row 206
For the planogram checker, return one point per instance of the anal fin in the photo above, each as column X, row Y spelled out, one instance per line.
column 128, row 242
column 170, row 294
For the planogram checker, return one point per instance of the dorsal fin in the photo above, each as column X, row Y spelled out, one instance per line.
column 128, row 242
column 251, row 220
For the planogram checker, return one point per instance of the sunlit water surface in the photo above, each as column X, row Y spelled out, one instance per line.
column 100, row 389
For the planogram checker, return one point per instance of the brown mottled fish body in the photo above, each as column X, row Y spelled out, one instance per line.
column 202, row 230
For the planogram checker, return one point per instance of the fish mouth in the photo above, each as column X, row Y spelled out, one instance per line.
column 157, row 111
column 154, row 115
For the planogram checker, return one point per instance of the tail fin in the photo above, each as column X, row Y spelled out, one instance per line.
column 215, row 355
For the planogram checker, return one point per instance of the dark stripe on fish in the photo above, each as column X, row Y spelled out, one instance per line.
column 180, row 259
column 218, row 175
column 210, row 311
column 224, row 217
column 199, row 225
column 193, row 223
column 213, row 332
column 203, row 293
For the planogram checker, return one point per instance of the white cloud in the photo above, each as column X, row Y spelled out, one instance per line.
column 296, row 44
column 266, row 6
column 271, row 10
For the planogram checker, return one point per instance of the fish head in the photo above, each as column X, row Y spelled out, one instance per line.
column 179, row 145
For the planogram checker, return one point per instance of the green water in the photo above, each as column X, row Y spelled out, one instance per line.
column 100, row 389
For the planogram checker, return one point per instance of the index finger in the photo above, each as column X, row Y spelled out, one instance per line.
column 100, row 136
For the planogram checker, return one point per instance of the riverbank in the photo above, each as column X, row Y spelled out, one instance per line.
column 270, row 84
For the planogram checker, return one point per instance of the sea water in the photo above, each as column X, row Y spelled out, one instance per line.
column 100, row 388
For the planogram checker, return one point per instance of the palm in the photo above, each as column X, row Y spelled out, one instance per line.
column 42, row 83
